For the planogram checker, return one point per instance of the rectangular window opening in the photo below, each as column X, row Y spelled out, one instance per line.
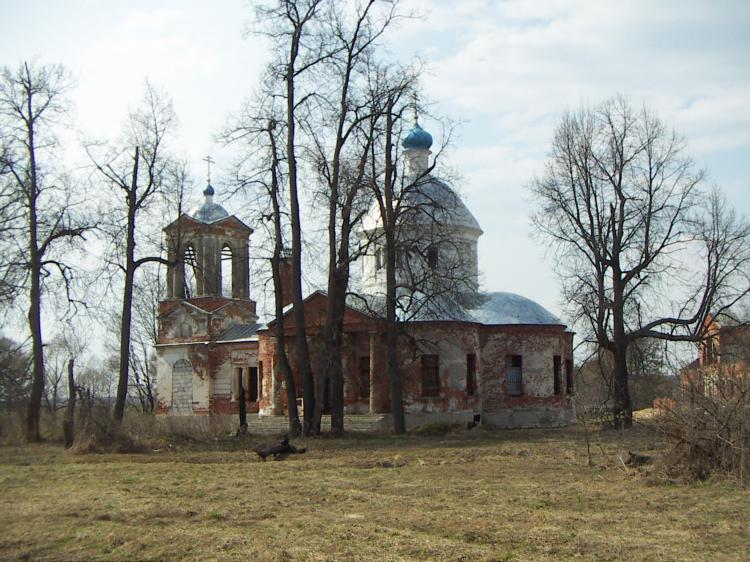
column 260, row 379
column 252, row 384
column 471, row 374
column 569, row 376
column 557, row 373
column 430, row 376
column 364, row 376
column 514, row 375
column 238, row 385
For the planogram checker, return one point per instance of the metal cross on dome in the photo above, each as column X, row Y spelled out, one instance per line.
column 208, row 160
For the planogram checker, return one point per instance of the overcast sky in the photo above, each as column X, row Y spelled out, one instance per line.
column 506, row 70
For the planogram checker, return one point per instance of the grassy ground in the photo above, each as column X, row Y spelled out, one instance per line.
column 466, row 495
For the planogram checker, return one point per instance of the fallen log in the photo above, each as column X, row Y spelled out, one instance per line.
column 279, row 451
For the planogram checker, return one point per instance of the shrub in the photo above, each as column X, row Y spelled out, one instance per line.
column 709, row 426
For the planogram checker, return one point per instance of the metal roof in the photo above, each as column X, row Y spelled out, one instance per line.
column 509, row 308
column 430, row 201
column 239, row 332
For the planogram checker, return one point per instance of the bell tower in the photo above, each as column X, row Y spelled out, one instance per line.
column 208, row 254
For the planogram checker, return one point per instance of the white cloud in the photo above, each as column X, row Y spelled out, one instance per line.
column 507, row 68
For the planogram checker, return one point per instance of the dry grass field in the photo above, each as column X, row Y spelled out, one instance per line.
column 464, row 495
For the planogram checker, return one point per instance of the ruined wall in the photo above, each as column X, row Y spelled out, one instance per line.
column 356, row 345
column 214, row 383
column 451, row 342
column 537, row 405
column 166, row 358
column 226, row 358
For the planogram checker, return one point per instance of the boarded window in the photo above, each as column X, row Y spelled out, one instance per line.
column 430, row 375
column 253, row 387
column 514, row 375
column 471, row 374
column 364, row 376
column 182, row 388
column 569, row 376
column 557, row 373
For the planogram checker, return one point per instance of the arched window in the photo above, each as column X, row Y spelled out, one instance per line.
column 227, row 266
column 191, row 272
column 182, row 388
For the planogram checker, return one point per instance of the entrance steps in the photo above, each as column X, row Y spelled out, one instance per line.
column 275, row 425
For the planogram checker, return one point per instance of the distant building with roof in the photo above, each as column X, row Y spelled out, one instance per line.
column 465, row 355
column 723, row 363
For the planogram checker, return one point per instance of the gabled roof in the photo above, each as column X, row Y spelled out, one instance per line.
column 350, row 304
column 230, row 220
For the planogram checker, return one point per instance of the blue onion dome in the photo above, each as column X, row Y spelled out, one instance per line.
column 417, row 138
column 209, row 212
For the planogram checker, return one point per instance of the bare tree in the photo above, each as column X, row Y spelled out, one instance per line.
column 427, row 268
column 621, row 205
column 15, row 373
column 31, row 103
column 294, row 27
column 262, row 131
column 142, row 172
column 147, row 293
column 341, row 137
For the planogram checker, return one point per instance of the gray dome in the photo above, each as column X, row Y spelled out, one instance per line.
column 209, row 212
column 436, row 201
column 432, row 201
column 509, row 308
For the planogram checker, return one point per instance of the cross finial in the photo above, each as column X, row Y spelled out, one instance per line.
column 208, row 160
column 415, row 102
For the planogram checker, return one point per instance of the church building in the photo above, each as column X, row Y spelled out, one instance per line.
column 465, row 355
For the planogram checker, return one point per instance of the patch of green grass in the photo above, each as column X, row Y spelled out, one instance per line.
column 462, row 495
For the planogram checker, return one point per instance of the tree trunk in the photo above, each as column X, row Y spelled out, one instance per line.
column 70, row 410
column 300, row 336
column 127, row 298
column 34, row 407
column 391, row 343
column 281, row 358
column 330, row 370
column 37, row 385
column 282, row 361
column 622, row 408
column 390, row 225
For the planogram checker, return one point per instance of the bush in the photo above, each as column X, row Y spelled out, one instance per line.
column 96, row 432
column 709, row 427
column 11, row 426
